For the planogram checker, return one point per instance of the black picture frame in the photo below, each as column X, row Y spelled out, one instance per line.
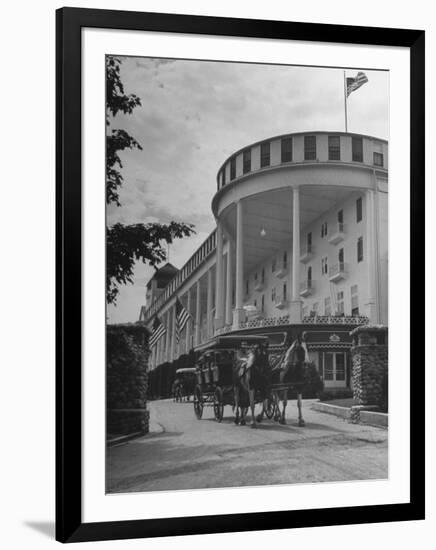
column 69, row 23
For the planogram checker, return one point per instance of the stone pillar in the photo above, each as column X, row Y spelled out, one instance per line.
column 239, row 313
column 370, row 365
column 188, row 323
column 219, row 283
column 295, row 304
column 198, row 314
column 209, row 300
column 229, row 283
column 372, row 309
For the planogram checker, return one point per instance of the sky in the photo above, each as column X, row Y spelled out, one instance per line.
column 195, row 114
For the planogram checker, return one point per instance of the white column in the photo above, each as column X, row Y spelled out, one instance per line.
column 159, row 350
column 168, row 336
column 295, row 305
column 229, row 283
column 219, row 284
column 209, row 320
column 153, row 357
column 198, row 314
column 239, row 313
column 173, row 331
column 372, row 309
column 188, row 323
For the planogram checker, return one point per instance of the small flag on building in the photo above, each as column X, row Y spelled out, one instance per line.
column 182, row 316
column 158, row 331
column 354, row 83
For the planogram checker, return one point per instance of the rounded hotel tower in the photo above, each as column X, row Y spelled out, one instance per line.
column 305, row 219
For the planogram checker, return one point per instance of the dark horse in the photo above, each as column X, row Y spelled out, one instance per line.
column 251, row 378
column 290, row 368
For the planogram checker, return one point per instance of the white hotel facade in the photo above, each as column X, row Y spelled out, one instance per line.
column 300, row 245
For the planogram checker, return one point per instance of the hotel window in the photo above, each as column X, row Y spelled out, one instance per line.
column 341, row 259
column 263, row 303
column 255, row 277
column 333, row 367
column 287, row 150
column 359, row 210
column 273, row 294
column 314, row 310
column 378, row 159
column 255, row 303
column 354, row 300
column 327, row 306
column 309, row 242
column 324, row 265
column 284, row 291
column 233, row 168
column 247, row 287
column 324, row 229
column 285, row 260
column 360, row 249
column 264, row 154
column 334, row 148
column 246, row 161
column 223, row 174
column 340, row 302
column 273, row 265
column 357, row 149
column 309, row 147
column 263, row 275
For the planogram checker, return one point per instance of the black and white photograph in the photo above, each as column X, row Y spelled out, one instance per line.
column 247, row 283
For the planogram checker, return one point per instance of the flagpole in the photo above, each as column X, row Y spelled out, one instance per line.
column 345, row 103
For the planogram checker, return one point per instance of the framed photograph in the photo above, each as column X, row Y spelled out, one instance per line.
column 240, row 260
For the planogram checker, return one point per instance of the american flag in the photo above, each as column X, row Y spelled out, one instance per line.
column 182, row 316
column 158, row 331
column 354, row 83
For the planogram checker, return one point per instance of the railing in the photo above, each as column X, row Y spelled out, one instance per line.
column 268, row 322
column 335, row 320
column 341, row 267
column 281, row 269
column 309, row 284
column 354, row 320
column 307, row 251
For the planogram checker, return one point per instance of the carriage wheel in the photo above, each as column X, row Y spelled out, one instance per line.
column 218, row 404
column 270, row 409
column 198, row 402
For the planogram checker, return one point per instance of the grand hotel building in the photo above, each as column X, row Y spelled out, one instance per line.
column 301, row 244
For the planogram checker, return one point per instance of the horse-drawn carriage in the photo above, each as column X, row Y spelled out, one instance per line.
column 216, row 373
column 239, row 370
column 184, row 384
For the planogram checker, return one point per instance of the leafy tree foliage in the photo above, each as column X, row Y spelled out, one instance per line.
column 127, row 244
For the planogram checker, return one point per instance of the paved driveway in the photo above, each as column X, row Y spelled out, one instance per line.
column 182, row 452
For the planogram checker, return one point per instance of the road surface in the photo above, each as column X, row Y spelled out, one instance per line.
column 182, row 452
